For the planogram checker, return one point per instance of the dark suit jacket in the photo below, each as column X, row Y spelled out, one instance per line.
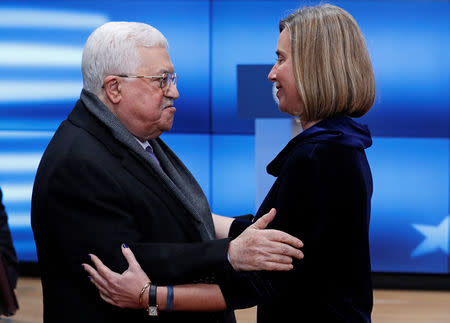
column 91, row 194
column 322, row 195
column 6, row 246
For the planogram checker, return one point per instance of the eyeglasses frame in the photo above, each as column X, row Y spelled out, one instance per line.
column 173, row 77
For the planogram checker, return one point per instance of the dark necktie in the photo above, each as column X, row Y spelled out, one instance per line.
column 149, row 149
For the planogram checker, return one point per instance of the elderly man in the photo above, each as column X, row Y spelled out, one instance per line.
column 106, row 178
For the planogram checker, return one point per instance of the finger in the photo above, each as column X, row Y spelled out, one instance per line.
column 90, row 270
column 280, row 259
column 287, row 250
column 129, row 256
column 108, row 299
column 281, row 249
column 95, row 277
column 274, row 266
column 283, row 237
column 100, row 288
column 263, row 221
column 103, row 271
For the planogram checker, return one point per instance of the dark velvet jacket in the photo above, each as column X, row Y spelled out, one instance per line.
column 322, row 195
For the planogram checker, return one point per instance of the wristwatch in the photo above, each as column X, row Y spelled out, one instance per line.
column 152, row 305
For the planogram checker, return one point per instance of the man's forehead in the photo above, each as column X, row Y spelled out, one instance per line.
column 143, row 47
column 156, row 58
column 156, row 52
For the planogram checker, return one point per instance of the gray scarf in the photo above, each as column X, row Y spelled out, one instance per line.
column 176, row 176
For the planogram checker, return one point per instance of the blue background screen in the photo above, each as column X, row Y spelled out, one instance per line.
column 211, row 44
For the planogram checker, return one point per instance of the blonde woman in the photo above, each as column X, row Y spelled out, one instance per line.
column 322, row 193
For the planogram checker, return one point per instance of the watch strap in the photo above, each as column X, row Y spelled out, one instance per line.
column 152, row 304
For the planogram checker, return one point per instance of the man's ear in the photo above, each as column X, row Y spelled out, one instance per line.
column 111, row 86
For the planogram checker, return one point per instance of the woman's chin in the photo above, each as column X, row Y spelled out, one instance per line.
column 282, row 108
column 285, row 110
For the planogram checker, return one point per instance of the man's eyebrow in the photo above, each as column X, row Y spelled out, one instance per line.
column 164, row 70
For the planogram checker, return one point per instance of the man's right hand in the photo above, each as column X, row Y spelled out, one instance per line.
column 258, row 248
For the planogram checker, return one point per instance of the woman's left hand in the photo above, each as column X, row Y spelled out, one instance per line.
column 121, row 290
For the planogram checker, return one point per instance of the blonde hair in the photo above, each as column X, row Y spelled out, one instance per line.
column 331, row 64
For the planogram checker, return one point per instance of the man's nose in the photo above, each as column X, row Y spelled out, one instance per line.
column 172, row 92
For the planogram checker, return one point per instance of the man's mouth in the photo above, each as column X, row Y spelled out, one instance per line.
column 169, row 108
column 168, row 105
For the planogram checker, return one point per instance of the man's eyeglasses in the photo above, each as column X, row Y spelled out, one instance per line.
column 164, row 80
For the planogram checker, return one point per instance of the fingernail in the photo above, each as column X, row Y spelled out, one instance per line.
column 89, row 255
column 82, row 266
column 124, row 245
column 90, row 278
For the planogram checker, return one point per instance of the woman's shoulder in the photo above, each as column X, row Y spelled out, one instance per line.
column 317, row 149
column 319, row 154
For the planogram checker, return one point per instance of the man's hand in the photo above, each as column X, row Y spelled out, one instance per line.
column 260, row 249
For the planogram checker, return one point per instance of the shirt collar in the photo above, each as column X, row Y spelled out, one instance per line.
column 144, row 144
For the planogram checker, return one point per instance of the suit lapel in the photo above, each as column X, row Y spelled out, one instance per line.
column 147, row 175
column 137, row 163
column 195, row 200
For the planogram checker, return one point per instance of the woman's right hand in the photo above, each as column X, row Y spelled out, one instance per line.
column 121, row 290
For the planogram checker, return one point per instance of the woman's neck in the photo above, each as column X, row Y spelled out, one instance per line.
column 308, row 124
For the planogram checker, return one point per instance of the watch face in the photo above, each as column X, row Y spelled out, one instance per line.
column 153, row 311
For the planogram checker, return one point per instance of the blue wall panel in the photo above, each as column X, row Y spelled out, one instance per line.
column 243, row 32
column 56, row 45
column 20, row 153
column 411, row 178
column 40, row 79
column 233, row 168
column 194, row 150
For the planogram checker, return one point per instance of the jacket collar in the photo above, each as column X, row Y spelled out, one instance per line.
column 340, row 130
column 138, row 163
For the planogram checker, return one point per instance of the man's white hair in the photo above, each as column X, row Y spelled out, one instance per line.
column 112, row 49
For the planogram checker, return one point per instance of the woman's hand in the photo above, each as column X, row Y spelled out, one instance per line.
column 121, row 290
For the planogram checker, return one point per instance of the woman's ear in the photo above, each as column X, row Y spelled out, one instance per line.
column 112, row 86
